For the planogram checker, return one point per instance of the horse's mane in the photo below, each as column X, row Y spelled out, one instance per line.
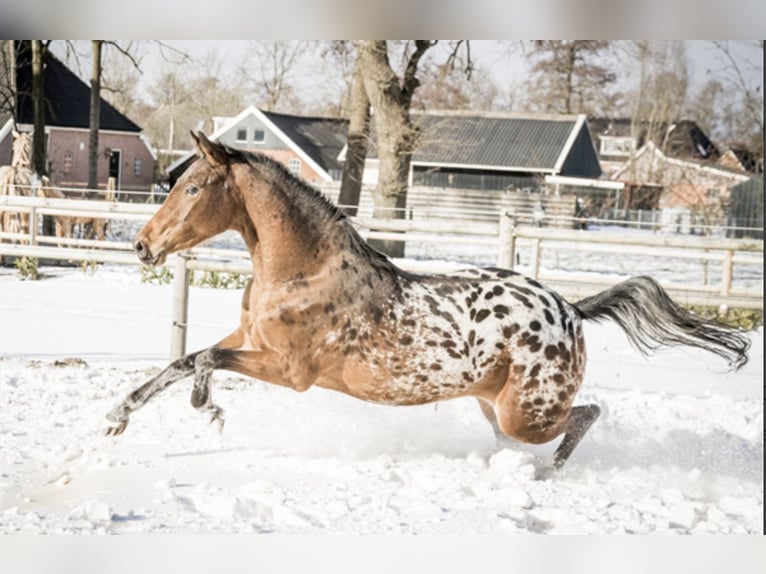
column 281, row 175
column 316, row 200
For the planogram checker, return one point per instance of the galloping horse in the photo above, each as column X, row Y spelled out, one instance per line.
column 323, row 308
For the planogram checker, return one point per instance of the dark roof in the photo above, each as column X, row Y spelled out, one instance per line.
column 489, row 140
column 745, row 157
column 67, row 96
column 320, row 138
column 681, row 139
column 618, row 127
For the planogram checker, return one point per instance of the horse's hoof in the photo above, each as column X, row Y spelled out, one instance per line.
column 545, row 472
column 116, row 429
column 217, row 417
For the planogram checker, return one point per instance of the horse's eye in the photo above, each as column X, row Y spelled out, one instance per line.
column 192, row 190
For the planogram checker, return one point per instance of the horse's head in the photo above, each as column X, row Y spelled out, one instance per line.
column 199, row 206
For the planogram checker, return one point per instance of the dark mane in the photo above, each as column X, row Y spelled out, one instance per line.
column 320, row 205
column 282, row 175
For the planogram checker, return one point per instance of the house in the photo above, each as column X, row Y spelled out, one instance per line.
column 619, row 138
column 123, row 152
column 495, row 151
column 742, row 159
column 685, row 183
column 746, row 208
column 308, row 146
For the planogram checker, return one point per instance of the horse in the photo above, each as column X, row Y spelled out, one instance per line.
column 18, row 179
column 323, row 308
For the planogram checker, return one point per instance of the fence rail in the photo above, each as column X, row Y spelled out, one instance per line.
column 506, row 236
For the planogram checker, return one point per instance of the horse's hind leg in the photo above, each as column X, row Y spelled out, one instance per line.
column 177, row 370
column 580, row 420
column 501, row 439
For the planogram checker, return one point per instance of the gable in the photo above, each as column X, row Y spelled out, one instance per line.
column 316, row 140
column 581, row 159
column 67, row 97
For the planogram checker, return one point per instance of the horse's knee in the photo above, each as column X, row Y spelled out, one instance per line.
column 529, row 419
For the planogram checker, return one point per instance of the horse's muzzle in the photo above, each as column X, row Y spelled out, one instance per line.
column 144, row 253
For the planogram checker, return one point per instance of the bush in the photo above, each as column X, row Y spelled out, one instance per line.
column 747, row 319
column 89, row 267
column 27, row 268
column 156, row 275
column 220, row 280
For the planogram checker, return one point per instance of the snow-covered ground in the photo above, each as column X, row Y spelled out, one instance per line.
column 678, row 449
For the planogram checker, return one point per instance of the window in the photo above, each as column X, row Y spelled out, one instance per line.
column 68, row 162
column 611, row 145
column 259, row 136
column 294, row 166
column 242, row 135
column 138, row 166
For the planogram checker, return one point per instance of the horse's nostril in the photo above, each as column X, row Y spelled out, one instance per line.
column 138, row 246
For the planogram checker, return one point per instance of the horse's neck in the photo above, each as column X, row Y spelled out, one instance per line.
column 284, row 241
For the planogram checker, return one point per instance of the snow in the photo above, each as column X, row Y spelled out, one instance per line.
column 678, row 448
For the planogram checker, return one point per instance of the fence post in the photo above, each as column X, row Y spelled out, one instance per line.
column 728, row 272
column 33, row 225
column 536, row 256
column 180, row 307
column 506, row 252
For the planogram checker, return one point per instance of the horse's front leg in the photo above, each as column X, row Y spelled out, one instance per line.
column 177, row 370
column 201, row 398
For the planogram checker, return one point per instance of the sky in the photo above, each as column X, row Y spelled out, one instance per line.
column 507, row 69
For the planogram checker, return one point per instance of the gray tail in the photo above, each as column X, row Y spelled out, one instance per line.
column 651, row 319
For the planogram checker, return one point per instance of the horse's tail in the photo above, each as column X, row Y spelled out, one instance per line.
column 651, row 319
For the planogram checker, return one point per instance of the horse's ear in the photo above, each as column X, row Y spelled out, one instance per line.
column 212, row 152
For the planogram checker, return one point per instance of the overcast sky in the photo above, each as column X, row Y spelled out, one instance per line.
column 505, row 68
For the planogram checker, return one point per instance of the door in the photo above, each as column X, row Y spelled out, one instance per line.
column 115, row 167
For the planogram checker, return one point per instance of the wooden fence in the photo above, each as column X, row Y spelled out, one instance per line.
column 505, row 235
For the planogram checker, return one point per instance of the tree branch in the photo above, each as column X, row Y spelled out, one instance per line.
column 410, row 81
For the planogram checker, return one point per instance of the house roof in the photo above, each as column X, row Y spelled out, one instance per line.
column 681, row 139
column 321, row 138
column 66, row 95
column 317, row 140
column 698, row 165
column 504, row 142
column 740, row 157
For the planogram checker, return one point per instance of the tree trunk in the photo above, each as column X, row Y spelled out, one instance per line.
column 95, row 111
column 38, row 108
column 356, row 146
column 394, row 138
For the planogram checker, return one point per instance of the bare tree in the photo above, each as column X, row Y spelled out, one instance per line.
column 356, row 144
column 7, row 78
column 741, row 71
column 95, row 112
column 271, row 66
column 569, row 75
column 391, row 98
column 95, row 101
column 661, row 95
column 215, row 92
column 171, row 96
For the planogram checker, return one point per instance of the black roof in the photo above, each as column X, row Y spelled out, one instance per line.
column 67, row 96
column 490, row 140
column 681, row 139
column 320, row 138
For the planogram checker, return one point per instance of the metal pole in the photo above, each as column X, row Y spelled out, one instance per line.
column 728, row 272
column 507, row 240
column 180, row 308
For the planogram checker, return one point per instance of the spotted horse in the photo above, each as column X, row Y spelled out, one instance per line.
column 323, row 308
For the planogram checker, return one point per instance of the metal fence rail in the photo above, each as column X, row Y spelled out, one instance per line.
column 506, row 236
